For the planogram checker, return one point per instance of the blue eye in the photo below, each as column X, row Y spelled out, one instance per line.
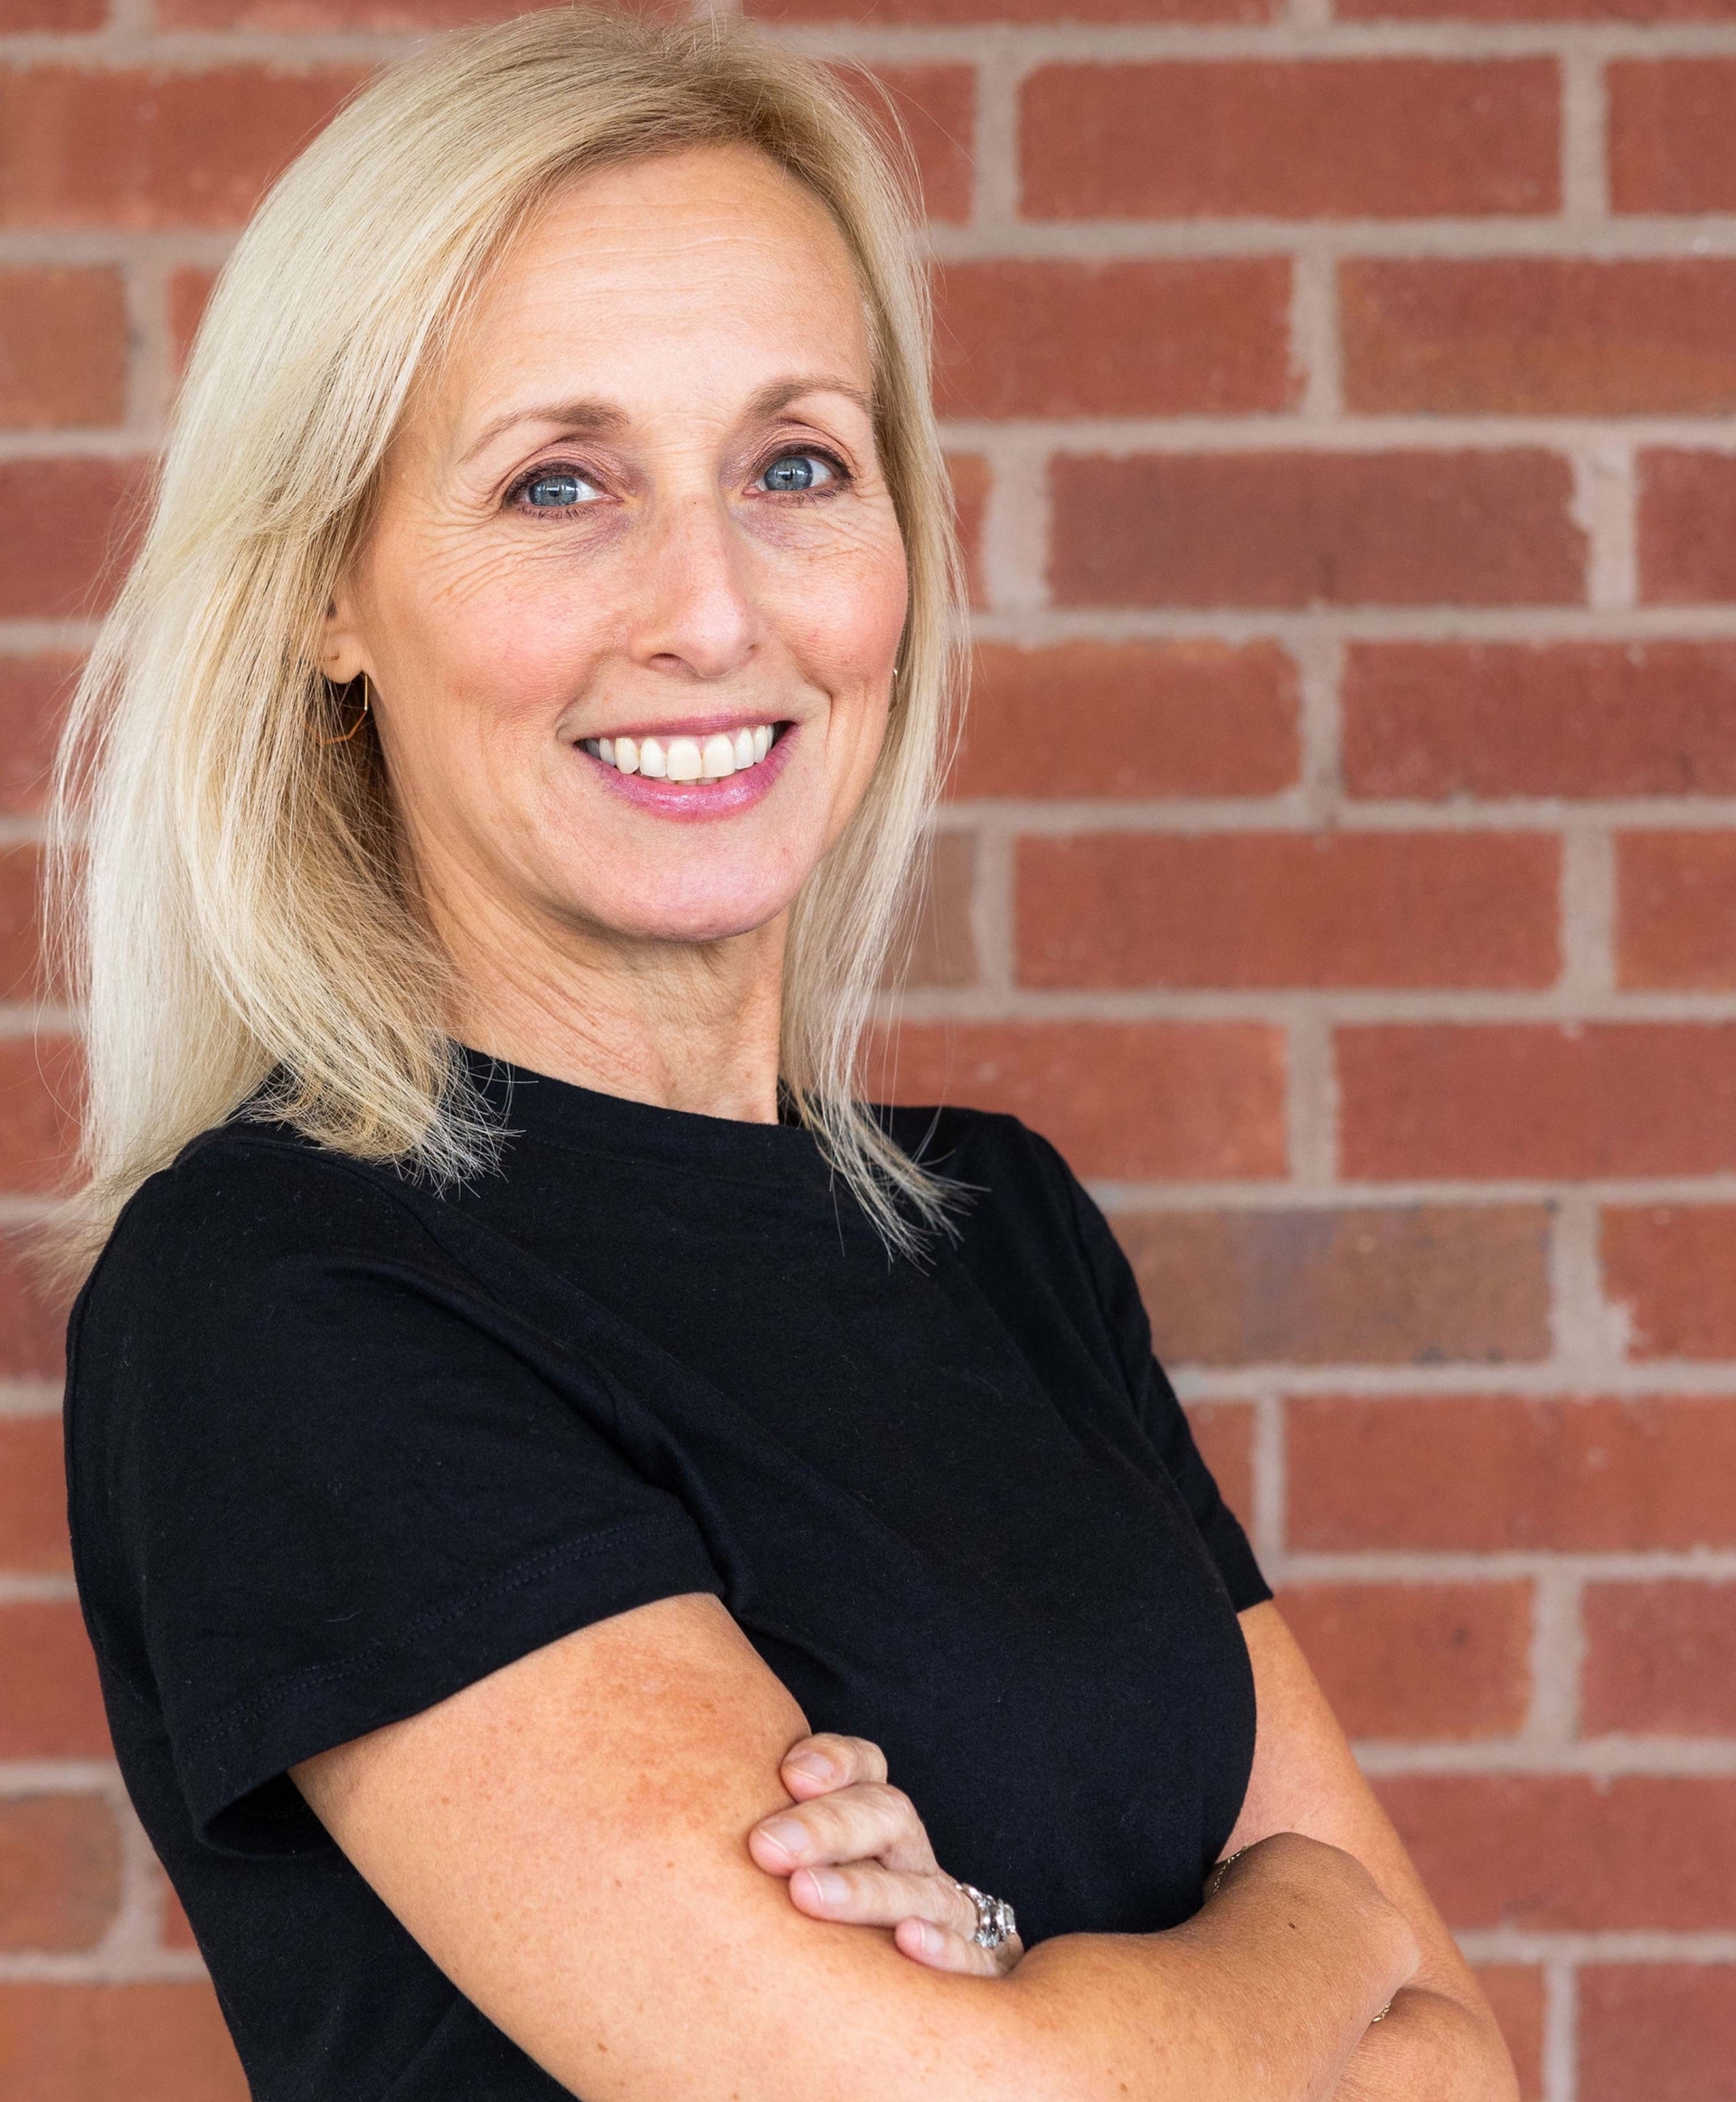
column 557, row 490
column 797, row 472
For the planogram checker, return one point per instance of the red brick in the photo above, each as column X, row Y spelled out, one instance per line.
column 1620, row 1099
column 938, row 14
column 59, row 1871
column 1492, row 1472
column 1545, row 335
column 1676, row 909
column 1197, row 1101
column 189, row 294
column 1303, row 529
column 1410, row 138
column 1673, row 133
column 1130, row 719
column 1664, row 2031
column 60, row 14
column 1660, row 1658
column 39, row 1081
column 145, row 149
column 33, row 1496
column 1560, row 1852
column 970, row 472
column 157, row 2043
column 54, row 1707
column 1224, row 1433
column 33, row 693
column 1107, row 910
column 1648, row 11
column 1670, row 1267
column 1417, row 1661
column 293, row 17
column 1515, row 1992
column 1439, row 719
column 65, row 530
column 33, row 1314
column 21, row 975
column 1156, row 338
column 1407, row 1284
column 62, row 348
column 943, row 941
column 1687, row 527
column 936, row 110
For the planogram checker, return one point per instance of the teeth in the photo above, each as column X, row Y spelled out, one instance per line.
column 683, row 759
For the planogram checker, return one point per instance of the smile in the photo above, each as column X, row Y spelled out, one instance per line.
column 684, row 758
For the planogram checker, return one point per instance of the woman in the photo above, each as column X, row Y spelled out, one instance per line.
column 523, row 1393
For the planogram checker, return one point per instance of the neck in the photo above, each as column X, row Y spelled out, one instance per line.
column 682, row 1025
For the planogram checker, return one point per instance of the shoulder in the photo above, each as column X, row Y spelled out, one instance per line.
column 1004, row 1169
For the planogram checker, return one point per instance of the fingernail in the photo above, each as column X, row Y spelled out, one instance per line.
column 930, row 1936
column 814, row 1763
column 786, row 1835
column 829, row 1887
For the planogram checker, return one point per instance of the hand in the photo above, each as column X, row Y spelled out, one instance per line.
column 855, row 1849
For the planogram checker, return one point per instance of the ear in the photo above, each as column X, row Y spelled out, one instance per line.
column 342, row 657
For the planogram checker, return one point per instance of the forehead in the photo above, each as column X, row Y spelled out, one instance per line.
column 684, row 277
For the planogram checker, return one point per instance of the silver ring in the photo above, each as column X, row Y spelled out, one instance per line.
column 995, row 1922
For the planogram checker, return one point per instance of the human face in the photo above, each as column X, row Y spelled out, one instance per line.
column 640, row 502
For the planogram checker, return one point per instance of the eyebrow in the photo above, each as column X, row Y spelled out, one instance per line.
column 602, row 419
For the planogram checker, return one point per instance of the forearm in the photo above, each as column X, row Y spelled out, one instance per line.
column 1429, row 2049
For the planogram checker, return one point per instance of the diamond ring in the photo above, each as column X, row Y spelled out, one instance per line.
column 994, row 1919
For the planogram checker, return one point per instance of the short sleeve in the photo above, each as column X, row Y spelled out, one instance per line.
column 323, row 1480
column 1161, row 1413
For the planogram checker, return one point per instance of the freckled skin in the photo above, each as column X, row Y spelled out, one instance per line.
column 672, row 293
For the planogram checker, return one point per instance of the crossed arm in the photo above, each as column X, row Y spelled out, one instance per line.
column 568, row 1839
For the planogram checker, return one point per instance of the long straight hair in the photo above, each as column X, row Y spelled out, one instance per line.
column 235, row 911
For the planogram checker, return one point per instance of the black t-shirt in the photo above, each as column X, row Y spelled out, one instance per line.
column 339, row 1446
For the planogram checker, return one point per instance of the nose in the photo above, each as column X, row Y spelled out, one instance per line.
column 696, row 618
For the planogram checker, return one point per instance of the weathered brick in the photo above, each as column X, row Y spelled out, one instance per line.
column 1190, row 1101
column 39, row 1083
column 147, row 149
column 935, row 108
column 1438, row 720
column 1489, row 1099
column 1523, row 11
column 1491, row 1473
column 295, row 18
column 1563, row 1852
column 66, row 526
column 189, row 293
column 939, row 13
column 33, row 693
column 1302, row 528
column 33, row 1496
column 943, row 941
column 1665, row 2031
column 53, row 1707
column 155, row 2042
column 970, row 476
column 22, row 972
column 57, row 14
column 59, row 1871
column 1673, row 133
column 1515, row 1992
column 1151, row 338
column 1107, row 910
column 1410, row 138
column 1676, row 909
column 1686, row 527
column 1409, row 1284
column 1224, row 1433
column 1129, row 719
column 1660, row 1657
column 1670, row 1267
column 62, row 347
column 1417, row 1661
column 33, row 1314
column 1543, row 336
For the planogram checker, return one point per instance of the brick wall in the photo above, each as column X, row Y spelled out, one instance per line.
column 1342, row 868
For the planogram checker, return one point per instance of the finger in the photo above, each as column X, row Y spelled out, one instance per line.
column 866, row 1821
column 938, row 1948
column 865, row 1894
column 814, row 1765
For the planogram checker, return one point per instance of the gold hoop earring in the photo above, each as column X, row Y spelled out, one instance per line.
column 360, row 720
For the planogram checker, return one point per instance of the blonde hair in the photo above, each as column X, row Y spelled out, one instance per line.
column 235, row 910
